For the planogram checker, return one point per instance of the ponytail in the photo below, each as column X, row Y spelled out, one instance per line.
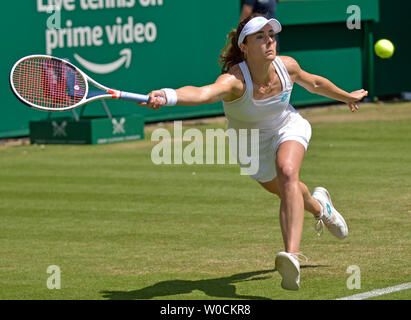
column 231, row 53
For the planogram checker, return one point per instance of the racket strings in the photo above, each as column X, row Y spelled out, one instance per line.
column 48, row 83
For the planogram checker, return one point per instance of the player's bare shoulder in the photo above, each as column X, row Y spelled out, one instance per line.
column 291, row 65
column 237, row 81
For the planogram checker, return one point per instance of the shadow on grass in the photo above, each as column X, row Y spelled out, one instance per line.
column 217, row 288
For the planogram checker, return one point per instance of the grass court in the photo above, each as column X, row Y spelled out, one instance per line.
column 120, row 227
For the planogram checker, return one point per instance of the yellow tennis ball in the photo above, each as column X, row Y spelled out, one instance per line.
column 384, row 48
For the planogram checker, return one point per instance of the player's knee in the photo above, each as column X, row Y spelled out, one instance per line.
column 287, row 172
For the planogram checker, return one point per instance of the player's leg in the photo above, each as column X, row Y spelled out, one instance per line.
column 310, row 204
column 290, row 155
column 319, row 204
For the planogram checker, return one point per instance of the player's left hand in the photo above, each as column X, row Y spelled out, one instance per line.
column 356, row 96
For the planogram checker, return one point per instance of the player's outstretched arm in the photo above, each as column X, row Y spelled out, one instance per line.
column 322, row 86
column 192, row 96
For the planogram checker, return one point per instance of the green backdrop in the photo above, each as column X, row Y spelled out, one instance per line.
column 173, row 43
column 392, row 76
column 184, row 48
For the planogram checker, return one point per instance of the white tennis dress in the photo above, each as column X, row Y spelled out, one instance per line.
column 274, row 117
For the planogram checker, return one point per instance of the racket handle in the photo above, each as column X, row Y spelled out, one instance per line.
column 133, row 97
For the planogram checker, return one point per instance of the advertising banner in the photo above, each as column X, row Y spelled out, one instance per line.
column 131, row 45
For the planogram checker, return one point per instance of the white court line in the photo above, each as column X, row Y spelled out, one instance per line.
column 378, row 292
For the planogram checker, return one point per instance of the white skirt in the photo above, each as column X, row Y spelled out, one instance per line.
column 294, row 127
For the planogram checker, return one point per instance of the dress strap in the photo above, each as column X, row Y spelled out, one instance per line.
column 247, row 77
column 283, row 74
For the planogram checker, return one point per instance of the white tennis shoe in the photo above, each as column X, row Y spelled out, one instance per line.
column 332, row 219
column 289, row 268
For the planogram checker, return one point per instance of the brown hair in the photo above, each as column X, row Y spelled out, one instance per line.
column 231, row 54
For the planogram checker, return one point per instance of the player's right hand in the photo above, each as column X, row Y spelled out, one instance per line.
column 157, row 99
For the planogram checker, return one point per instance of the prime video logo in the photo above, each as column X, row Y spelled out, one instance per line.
column 208, row 148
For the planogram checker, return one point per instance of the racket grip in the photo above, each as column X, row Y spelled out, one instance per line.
column 133, row 97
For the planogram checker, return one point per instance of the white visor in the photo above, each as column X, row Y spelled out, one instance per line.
column 255, row 25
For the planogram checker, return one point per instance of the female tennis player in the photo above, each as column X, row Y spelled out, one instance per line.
column 255, row 87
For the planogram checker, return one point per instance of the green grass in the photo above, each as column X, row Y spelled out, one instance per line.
column 120, row 227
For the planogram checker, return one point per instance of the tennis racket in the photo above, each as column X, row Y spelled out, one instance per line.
column 52, row 84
